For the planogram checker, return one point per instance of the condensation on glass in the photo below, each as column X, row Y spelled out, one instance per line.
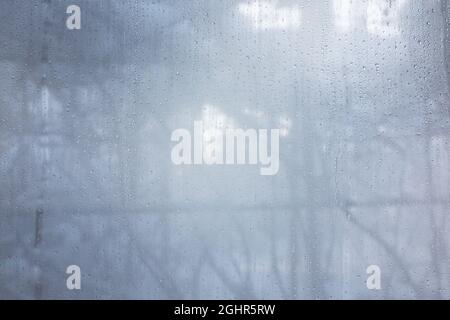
column 359, row 91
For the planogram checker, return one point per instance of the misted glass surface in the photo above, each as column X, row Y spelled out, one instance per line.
column 359, row 93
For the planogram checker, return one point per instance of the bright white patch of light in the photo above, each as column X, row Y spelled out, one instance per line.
column 268, row 15
column 214, row 118
column 253, row 113
column 383, row 17
column 343, row 12
column 285, row 124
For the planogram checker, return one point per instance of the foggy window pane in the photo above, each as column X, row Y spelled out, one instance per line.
column 224, row 149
